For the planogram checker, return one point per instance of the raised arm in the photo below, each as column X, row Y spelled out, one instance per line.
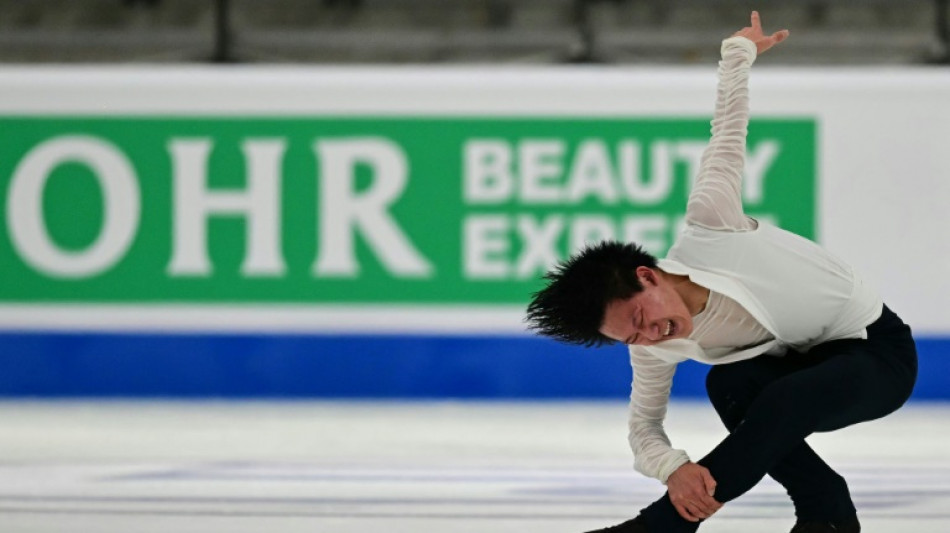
column 716, row 198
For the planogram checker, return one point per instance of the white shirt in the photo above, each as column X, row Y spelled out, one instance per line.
column 723, row 323
column 770, row 289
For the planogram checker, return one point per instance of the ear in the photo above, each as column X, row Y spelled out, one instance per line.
column 646, row 275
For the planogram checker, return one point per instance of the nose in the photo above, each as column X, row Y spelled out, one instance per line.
column 651, row 331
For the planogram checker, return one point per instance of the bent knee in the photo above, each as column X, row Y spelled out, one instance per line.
column 723, row 380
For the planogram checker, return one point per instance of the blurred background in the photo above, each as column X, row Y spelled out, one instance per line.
column 356, row 198
column 869, row 32
column 264, row 264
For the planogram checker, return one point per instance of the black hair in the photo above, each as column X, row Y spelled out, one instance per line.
column 571, row 307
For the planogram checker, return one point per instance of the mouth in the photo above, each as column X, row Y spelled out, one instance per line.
column 670, row 329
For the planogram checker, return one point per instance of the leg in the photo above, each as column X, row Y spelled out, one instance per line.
column 851, row 381
column 850, row 384
column 817, row 491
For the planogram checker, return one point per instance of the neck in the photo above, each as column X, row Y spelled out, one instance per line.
column 693, row 295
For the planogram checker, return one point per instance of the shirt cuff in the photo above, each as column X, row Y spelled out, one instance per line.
column 677, row 459
column 739, row 42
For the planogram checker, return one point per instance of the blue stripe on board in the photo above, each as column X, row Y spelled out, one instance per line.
column 345, row 366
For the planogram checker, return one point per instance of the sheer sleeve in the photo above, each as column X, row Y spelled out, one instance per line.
column 650, row 393
column 716, row 198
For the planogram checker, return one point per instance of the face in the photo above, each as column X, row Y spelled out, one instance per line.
column 655, row 314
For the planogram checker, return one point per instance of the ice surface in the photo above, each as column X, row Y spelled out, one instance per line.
column 347, row 467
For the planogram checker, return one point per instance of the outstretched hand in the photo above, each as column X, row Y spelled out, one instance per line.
column 754, row 33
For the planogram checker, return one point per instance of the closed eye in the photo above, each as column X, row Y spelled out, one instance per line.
column 637, row 322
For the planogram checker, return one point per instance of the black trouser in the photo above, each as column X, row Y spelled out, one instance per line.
column 770, row 404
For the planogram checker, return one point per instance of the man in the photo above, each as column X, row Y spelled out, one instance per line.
column 800, row 343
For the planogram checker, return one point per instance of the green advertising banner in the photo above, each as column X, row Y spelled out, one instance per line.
column 353, row 210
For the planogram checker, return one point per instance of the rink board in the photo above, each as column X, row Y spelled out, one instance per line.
column 475, row 180
column 345, row 366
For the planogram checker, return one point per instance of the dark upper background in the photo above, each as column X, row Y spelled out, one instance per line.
column 539, row 32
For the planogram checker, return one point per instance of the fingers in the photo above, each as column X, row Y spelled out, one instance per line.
column 686, row 512
column 709, row 482
column 696, row 506
column 702, row 511
column 780, row 36
column 695, row 511
column 691, row 489
column 756, row 26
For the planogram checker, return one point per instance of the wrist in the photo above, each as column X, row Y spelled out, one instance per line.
column 674, row 468
column 740, row 42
